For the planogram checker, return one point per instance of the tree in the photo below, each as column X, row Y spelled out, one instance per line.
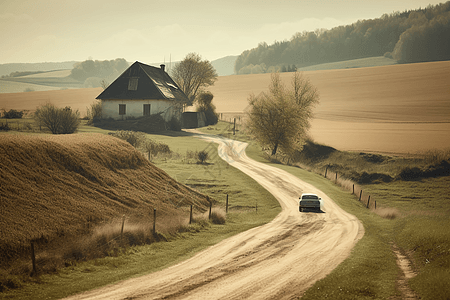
column 204, row 104
column 192, row 74
column 280, row 118
column 57, row 120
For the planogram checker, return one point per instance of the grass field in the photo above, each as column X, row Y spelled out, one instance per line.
column 411, row 214
column 370, row 272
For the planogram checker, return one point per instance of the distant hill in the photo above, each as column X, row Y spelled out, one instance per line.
column 225, row 65
column 6, row 69
column 411, row 36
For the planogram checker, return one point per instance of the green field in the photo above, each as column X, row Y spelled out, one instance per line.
column 419, row 211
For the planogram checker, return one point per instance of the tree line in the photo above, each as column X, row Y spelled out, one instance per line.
column 409, row 36
column 92, row 73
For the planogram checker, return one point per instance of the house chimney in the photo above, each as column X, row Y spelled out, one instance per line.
column 162, row 67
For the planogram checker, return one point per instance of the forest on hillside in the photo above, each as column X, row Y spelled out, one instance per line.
column 410, row 36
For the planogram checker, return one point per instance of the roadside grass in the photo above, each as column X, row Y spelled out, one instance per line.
column 411, row 214
column 214, row 178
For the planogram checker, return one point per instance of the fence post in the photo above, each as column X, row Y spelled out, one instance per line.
column 190, row 216
column 33, row 258
column 154, row 221
column 210, row 207
column 353, row 189
column 360, row 194
column 335, row 181
column 256, row 206
column 226, row 210
column 326, row 170
column 368, row 201
column 375, row 204
column 121, row 231
column 234, row 127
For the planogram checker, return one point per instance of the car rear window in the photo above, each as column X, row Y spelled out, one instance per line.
column 310, row 197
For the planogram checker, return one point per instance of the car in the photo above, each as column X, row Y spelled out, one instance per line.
column 309, row 201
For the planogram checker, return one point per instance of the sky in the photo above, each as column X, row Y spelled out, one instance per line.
column 153, row 31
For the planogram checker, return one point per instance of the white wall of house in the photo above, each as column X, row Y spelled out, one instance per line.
column 135, row 108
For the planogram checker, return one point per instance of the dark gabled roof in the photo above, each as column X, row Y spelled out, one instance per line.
column 141, row 81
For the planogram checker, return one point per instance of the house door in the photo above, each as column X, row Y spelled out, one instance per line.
column 147, row 109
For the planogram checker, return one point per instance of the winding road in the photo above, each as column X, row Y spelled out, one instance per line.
column 279, row 260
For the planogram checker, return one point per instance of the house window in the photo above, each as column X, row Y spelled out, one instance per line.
column 146, row 109
column 122, row 109
column 133, row 84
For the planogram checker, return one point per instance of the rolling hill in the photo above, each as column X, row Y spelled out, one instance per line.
column 76, row 177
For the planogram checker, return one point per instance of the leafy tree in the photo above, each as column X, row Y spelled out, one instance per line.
column 193, row 74
column 279, row 119
column 204, row 104
column 57, row 120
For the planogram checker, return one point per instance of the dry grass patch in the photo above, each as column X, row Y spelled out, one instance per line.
column 58, row 187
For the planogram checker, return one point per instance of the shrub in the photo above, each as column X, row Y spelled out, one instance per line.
column 153, row 148
column 218, row 217
column 57, row 120
column 4, row 127
column 136, row 139
column 174, row 124
column 202, row 156
column 94, row 113
column 13, row 114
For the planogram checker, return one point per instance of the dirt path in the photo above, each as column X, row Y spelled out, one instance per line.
column 279, row 260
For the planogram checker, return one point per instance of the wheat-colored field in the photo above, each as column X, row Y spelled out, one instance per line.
column 390, row 109
column 77, row 99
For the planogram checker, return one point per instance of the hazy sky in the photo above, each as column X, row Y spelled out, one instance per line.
column 153, row 31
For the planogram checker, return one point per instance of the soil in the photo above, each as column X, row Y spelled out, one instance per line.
column 279, row 260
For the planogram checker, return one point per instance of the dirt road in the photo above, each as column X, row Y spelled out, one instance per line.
column 279, row 260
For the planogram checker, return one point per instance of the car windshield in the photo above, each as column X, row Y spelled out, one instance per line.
column 310, row 197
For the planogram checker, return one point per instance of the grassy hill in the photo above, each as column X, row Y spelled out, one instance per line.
column 51, row 186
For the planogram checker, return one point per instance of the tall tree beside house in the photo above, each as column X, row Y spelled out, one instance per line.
column 193, row 74
column 279, row 119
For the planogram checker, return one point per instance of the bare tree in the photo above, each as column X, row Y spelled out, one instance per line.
column 192, row 74
column 280, row 118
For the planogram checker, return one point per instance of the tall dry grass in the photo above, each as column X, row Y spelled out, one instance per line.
column 50, row 186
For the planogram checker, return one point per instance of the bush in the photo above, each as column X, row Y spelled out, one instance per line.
column 202, row 156
column 218, row 217
column 153, row 148
column 174, row 124
column 136, row 139
column 13, row 114
column 94, row 113
column 57, row 120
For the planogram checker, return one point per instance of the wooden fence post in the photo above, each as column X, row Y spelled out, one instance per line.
column 368, row 201
column 326, row 170
column 335, row 181
column 375, row 204
column 121, row 231
column 256, row 206
column 190, row 216
column 360, row 194
column 226, row 210
column 353, row 189
column 210, row 208
column 33, row 258
column 154, row 221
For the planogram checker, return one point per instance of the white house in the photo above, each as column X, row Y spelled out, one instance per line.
column 142, row 90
